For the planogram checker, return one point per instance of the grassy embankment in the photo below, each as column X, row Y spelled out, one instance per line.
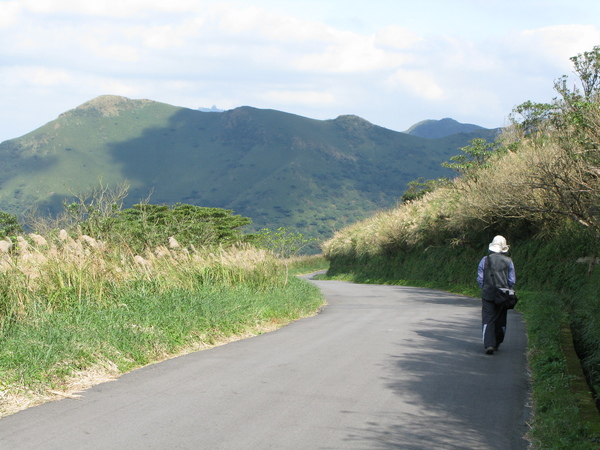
column 77, row 312
column 540, row 190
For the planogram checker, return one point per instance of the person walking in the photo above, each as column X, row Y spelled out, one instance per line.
column 494, row 270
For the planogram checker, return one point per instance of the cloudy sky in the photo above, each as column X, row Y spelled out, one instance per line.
column 392, row 62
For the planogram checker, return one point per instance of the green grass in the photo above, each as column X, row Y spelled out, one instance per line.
column 306, row 264
column 142, row 326
column 71, row 307
column 564, row 412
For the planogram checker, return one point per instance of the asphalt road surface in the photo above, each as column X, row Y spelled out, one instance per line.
column 380, row 367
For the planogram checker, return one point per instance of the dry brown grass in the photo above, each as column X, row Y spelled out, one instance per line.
column 64, row 270
column 541, row 183
column 99, row 309
column 57, row 273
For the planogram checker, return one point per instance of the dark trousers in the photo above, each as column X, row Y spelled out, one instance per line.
column 493, row 319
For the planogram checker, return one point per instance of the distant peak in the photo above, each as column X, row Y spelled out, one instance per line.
column 352, row 120
column 433, row 129
column 111, row 105
column 351, row 117
column 213, row 109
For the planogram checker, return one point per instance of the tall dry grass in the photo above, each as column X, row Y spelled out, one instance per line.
column 541, row 183
column 61, row 272
column 407, row 225
column 74, row 309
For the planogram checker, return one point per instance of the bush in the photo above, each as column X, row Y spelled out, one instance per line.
column 147, row 226
column 9, row 225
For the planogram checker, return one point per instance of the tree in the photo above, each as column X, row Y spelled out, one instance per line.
column 587, row 68
column 530, row 117
column 579, row 136
column 9, row 225
column 282, row 242
column 475, row 156
column 147, row 226
column 93, row 210
column 420, row 187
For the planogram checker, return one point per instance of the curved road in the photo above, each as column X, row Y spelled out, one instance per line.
column 380, row 367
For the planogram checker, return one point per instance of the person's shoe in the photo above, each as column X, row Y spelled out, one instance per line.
column 489, row 350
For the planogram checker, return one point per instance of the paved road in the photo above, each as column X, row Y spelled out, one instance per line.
column 381, row 367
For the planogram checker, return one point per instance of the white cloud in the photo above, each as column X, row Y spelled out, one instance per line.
column 159, row 37
column 350, row 53
column 397, row 37
column 287, row 97
column 241, row 21
column 560, row 42
column 417, row 83
column 115, row 86
column 257, row 22
column 38, row 76
column 110, row 50
column 9, row 13
column 110, row 8
column 453, row 54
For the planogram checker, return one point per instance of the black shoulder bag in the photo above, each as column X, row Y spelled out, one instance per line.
column 502, row 296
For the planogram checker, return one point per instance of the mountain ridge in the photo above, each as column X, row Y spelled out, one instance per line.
column 279, row 169
column 435, row 129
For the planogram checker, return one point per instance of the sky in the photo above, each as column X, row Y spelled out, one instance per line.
column 391, row 62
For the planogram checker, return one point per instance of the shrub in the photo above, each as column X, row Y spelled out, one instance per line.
column 9, row 225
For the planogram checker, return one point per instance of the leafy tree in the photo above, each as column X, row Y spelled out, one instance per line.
column 475, row 156
column 579, row 124
column 99, row 214
column 283, row 241
column 146, row 226
column 529, row 116
column 418, row 188
column 572, row 106
column 587, row 68
column 9, row 225
column 579, row 136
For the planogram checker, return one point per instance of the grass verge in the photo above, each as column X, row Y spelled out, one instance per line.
column 52, row 354
column 75, row 312
column 302, row 265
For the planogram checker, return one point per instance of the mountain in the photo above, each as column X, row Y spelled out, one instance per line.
column 279, row 169
column 213, row 109
column 435, row 129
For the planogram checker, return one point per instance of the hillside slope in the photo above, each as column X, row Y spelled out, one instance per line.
column 435, row 129
column 279, row 169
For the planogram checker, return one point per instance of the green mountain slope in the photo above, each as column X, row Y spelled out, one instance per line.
column 435, row 129
column 277, row 168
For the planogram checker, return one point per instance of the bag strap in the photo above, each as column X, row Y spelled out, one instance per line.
column 488, row 265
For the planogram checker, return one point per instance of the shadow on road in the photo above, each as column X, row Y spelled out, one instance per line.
column 455, row 395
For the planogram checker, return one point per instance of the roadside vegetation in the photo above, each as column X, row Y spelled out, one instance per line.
column 539, row 186
column 99, row 291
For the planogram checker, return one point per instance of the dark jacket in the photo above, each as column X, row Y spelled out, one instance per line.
column 501, row 268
